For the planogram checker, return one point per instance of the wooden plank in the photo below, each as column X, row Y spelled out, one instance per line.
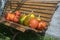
column 7, row 9
column 37, row 11
column 44, row 15
column 42, row 4
column 14, row 5
column 38, row 7
column 48, row 2
column 14, row 1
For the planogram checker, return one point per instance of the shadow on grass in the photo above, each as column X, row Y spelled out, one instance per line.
column 14, row 34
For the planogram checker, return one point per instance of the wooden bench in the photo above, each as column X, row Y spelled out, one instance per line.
column 45, row 9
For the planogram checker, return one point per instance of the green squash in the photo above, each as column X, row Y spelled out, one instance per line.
column 22, row 18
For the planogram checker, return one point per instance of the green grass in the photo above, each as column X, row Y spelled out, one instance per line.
column 3, row 37
column 50, row 37
column 7, row 33
column 10, row 32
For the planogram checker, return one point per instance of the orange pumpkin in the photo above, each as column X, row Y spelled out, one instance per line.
column 8, row 16
column 42, row 25
column 33, row 23
column 12, row 17
column 17, row 13
column 15, row 19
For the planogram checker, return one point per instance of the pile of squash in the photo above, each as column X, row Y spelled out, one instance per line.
column 30, row 20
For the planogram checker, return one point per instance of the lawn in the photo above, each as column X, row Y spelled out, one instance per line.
column 7, row 33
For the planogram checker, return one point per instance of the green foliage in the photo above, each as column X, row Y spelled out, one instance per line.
column 50, row 37
column 3, row 37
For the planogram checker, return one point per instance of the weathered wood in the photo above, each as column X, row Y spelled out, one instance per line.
column 38, row 11
column 44, row 9
column 39, row 3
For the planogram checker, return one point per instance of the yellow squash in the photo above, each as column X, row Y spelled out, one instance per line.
column 30, row 15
